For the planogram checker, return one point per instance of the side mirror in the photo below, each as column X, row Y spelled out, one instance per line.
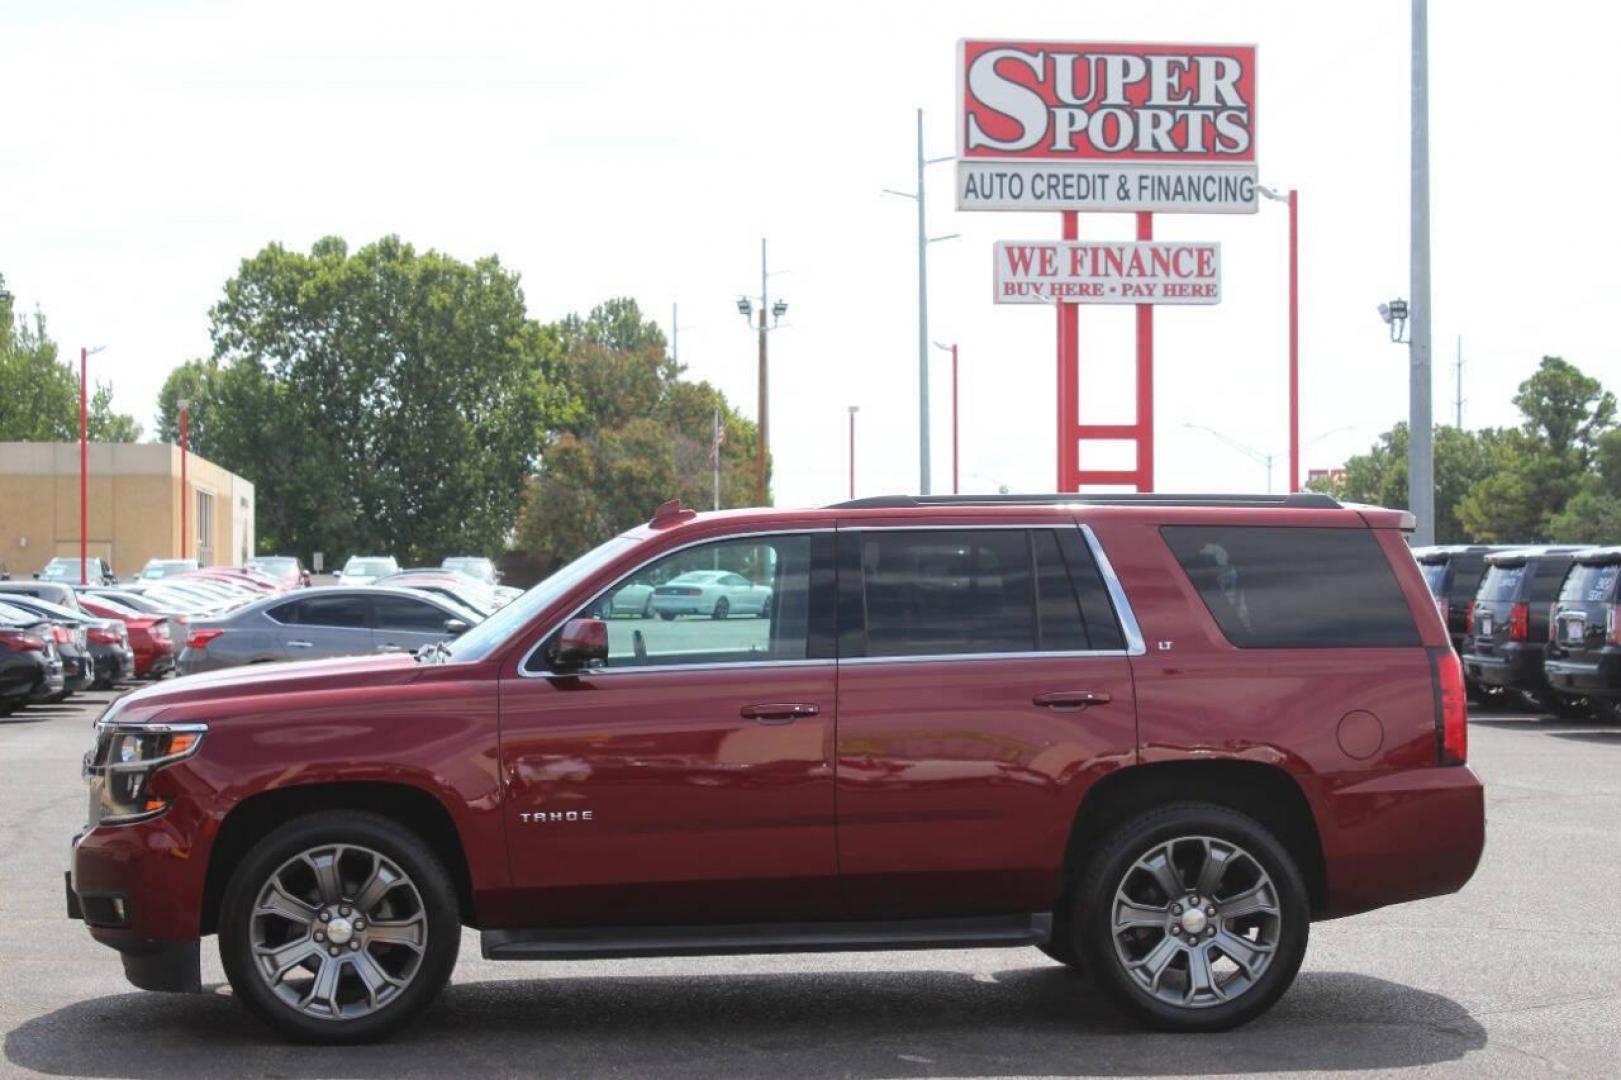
column 455, row 627
column 582, row 642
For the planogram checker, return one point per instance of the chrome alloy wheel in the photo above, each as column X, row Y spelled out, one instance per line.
column 1196, row 921
column 338, row 932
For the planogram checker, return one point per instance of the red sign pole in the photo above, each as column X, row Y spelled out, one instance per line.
column 1145, row 376
column 185, row 438
column 1069, row 363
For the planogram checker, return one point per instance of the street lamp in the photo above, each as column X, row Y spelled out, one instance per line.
column 853, row 410
column 84, row 465
column 1293, row 199
column 952, row 348
column 1394, row 313
column 185, row 442
column 1260, row 457
column 745, row 308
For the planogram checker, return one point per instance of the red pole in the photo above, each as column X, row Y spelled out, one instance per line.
column 954, row 488
column 84, row 471
column 1069, row 405
column 1294, row 340
column 1145, row 376
column 185, row 433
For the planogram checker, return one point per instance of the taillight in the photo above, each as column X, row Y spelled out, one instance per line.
column 22, row 639
column 199, row 639
column 1519, row 622
column 102, row 635
column 1451, row 708
column 62, row 634
column 1612, row 625
column 1469, row 621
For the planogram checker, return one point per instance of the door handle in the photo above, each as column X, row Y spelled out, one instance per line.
column 1071, row 699
column 778, row 714
column 300, row 645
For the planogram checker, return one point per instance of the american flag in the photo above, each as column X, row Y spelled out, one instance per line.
column 715, row 443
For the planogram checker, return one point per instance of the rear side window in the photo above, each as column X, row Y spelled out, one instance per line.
column 1295, row 588
column 407, row 613
column 342, row 611
column 1550, row 576
column 1501, row 584
column 1591, row 583
column 974, row 591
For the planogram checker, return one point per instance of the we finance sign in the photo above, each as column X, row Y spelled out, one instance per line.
column 1092, row 272
column 1106, row 127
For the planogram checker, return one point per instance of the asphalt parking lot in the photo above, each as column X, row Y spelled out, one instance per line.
column 1518, row 975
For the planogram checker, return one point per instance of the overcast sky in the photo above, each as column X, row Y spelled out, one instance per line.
column 644, row 148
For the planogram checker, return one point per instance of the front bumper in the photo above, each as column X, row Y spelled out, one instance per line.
column 1401, row 837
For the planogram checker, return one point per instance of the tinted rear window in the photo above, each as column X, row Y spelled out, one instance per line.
column 1435, row 576
column 1295, row 588
column 1591, row 583
column 1501, row 584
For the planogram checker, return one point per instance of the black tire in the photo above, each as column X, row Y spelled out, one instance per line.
column 667, row 616
column 1606, row 710
column 363, row 830
column 723, row 608
column 1109, row 868
column 1568, row 706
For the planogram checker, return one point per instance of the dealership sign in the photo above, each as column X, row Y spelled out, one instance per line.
column 1106, row 127
column 1102, row 272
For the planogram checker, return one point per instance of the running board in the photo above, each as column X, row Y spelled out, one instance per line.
column 600, row 943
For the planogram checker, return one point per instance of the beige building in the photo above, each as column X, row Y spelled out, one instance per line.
column 134, row 506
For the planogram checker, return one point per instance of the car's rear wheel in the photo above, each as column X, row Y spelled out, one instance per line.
column 338, row 927
column 667, row 616
column 647, row 608
column 723, row 608
column 1567, row 706
column 1607, row 710
column 1192, row 917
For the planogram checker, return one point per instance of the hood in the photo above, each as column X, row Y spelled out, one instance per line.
column 256, row 680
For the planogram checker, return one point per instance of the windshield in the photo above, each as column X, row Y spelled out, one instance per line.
column 368, row 567
column 281, row 566
column 483, row 639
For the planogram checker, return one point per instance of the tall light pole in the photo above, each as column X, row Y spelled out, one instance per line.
column 952, row 348
column 1293, row 199
column 1260, row 457
column 84, row 465
column 778, row 310
column 1420, row 422
column 853, row 410
column 185, row 440
column 923, row 242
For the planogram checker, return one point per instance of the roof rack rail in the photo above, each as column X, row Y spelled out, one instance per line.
column 1301, row 500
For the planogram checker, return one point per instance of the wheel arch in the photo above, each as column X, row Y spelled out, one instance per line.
column 250, row 820
column 1267, row 793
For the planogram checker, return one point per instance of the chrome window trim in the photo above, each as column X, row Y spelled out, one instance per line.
column 523, row 664
column 1135, row 644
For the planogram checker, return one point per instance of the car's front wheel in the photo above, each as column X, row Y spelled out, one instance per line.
column 1192, row 917
column 338, row 927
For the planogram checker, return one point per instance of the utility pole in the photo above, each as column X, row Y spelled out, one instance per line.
column 765, row 407
column 853, row 410
column 1420, row 423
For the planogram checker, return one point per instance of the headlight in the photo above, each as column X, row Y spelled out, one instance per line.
column 120, row 768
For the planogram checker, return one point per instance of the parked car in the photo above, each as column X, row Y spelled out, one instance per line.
column 1137, row 733
column 718, row 594
column 105, row 641
column 1453, row 573
column 72, row 649
column 158, row 569
column 469, row 592
column 1584, row 640
column 55, row 592
column 322, row 622
column 68, row 569
column 284, row 568
column 474, row 566
column 1507, row 635
column 151, row 636
column 633, row 598
column 366, row 569
column 30, row 667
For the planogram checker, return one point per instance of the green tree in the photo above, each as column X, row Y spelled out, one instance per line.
column 39, row 396
column 1462, row 459
column 384, row 400
column 636, row 435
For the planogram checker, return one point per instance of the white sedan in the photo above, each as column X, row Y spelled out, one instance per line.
column 716, row 593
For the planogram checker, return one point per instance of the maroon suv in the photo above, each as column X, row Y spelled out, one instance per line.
column 1154, row 737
